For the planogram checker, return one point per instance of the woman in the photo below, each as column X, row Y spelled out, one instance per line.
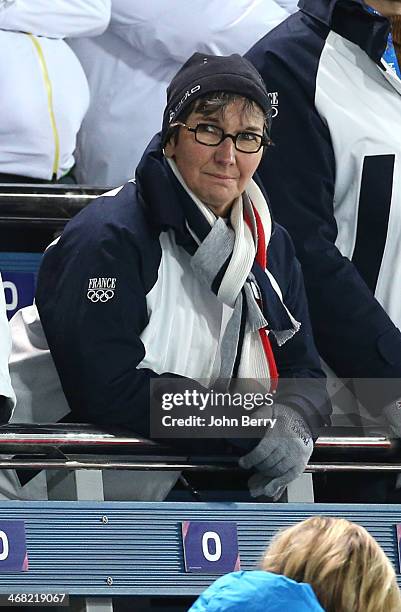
column 167, row 278
column 346, row 568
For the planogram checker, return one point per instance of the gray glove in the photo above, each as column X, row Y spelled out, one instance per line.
column 281, row 456
column 392, row 412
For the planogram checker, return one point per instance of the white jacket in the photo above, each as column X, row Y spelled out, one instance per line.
column 5, row 348
column 43, row 90
column 131, row 64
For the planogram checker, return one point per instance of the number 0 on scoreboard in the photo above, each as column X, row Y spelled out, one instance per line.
column 210, row 547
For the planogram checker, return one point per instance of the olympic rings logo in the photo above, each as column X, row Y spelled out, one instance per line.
column 100, row 295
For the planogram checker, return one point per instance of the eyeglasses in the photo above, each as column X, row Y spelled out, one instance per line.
column 212, row 135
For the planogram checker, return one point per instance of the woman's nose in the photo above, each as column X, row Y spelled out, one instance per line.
column 225, row 151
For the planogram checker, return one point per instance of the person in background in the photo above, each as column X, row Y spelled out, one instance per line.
column 7, row 396
column 334, row 182
column 44, row 94
column 166, row 278
column 130, row 65
column 257, row 591
column 321, row 563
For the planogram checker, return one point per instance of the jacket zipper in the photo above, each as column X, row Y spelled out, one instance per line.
column 50, row 107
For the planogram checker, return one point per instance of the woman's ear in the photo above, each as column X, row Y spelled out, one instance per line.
column 169, row 149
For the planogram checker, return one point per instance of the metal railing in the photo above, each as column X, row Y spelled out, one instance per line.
column 44, row 205
column 81, row 446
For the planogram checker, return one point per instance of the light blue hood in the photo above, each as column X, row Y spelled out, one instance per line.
column 257, row 591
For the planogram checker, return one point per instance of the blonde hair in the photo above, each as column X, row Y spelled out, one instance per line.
column 346, row 567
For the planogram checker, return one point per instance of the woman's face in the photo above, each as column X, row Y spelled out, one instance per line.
column 217, row 175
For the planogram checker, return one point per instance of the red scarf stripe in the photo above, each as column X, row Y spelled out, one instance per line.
column 261, row 258
column 270, row 359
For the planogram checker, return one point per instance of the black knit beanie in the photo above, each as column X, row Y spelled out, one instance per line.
column 203, row 74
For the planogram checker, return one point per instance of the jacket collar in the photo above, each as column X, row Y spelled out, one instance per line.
column 350, row 19
column 158, row 188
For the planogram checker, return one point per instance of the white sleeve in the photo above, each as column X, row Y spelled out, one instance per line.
column 175, row 29
column 5, row 349
column 289, row 5
column 55, row 18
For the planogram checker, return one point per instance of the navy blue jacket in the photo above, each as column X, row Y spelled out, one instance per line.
column 332, row 182
column 130, row 241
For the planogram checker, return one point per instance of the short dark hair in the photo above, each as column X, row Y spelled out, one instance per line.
column 217, row 102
